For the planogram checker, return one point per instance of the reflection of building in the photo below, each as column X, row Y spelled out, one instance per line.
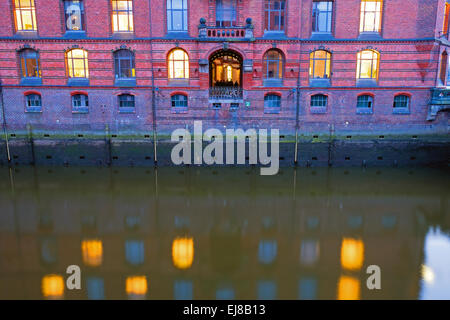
column 196, row 241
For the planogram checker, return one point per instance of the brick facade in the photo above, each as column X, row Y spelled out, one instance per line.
column 410, row 44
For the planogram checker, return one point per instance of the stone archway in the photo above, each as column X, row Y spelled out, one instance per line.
column 225, row 74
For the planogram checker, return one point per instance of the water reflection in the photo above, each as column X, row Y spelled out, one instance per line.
column 200, row 233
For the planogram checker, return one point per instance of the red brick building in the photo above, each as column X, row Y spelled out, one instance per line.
column 364, row 66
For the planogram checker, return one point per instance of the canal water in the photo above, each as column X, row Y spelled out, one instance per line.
column 224, row 233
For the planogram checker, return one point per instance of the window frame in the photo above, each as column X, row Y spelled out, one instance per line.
column 364, row 13
column 359, row 60
column 33, row 108
column 401, row 109
column 312, row 64
column 23, row 64
column 85, row 64
column 171, row 65
column 282, row 15
column 316, row 18
column 116, row 12
column 131, row 103
column 67, row 16
column 118, row 65
column 184, row 15
column 19, row 12
column 272, row 102
column 279, row 62
column 84, row 103
column 365, row 109
column 219, row 8
column 323, row 99
column 174, row 100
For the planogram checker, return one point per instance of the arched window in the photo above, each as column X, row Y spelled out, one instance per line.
column 401, row 101
column 274, row 15
column 225, row 13
column 25, row 14
column 126, row 101
column 177, row 15
column 178, row 64
column 367, row 65
column 273, row 64
column 272, row 101
column 124, row 64
column 322, row 16
column 74, row 14
column 80, row 102
column 370, row 20
column 444, row 63
column 29, row 62
column 319, row 100
column 365, row 102
column 320, row 64
column 77, row 63
column 33, row 102
column 179, row 101
column 122, row 15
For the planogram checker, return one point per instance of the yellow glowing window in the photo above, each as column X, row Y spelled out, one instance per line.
column 352, row 254
column 77, row 63
column 122, row 15
column 178, row 64
column 136, row 285
column 446, row 18
column 367, row 65
column 183, row 252
column 320, row 64
column 370, row 20
column 92, row 252
column 52, row 286
column 348, row 288
column 25, row 14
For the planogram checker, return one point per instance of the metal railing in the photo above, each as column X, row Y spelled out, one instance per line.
column 225, row 93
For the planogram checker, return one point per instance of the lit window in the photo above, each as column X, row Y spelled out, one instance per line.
column 274, row 15
column 80, row 102
column 272, row 101
column 319, row 100
column 352, row 254
column 29, row 62
column 225, row 13
column 320, row 64
column 74, row 14
column 136, row 287
column 25, row 13
column 273, row 64
column 126, row 101
column 179, row 101
column 52, row 286
column 401, row 101
column 92, row 252
column 177, row 15
column 34, row 102
column 321, row 16
column 367, row 66
column 183, row 252
column 444, row 63
column 124, row 64
column 77, row 63
column 446, row 18
column 348, row 288
column 122, row 15
column 370, row 20
column 178, row 64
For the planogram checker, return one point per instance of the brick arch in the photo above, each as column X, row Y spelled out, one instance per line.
column 28, row 92
column 210, row 52
column 179, row 92
column 276, row 93
column 73, row 93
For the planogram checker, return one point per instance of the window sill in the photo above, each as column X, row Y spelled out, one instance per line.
column 31, row 81
column 364, row 111
column 318, row 110
column 366, row 83
column 272, row 82
column 80, row 110
column 401, row 111
column 26, row 34
column 178, row 82
column 370, row 36
column 273, row 34
column 125, row 110
column 123, row 34
column 322, row 36
column 125, row 82
column 72, row 34
column 179, row 110
column 177, row 34
column 33, row 110
column 320, row 82
column 271, row 110
column 78, row 82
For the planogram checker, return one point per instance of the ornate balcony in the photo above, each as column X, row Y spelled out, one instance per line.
column 225, row 93
column 440, row 101
column 244, row 33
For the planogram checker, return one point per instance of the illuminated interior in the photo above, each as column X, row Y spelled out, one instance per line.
column 370, row 20
column 178, row 64
column 52, row 286
column 226, row 71
column 77, row 63
column 92, row 252
column 122, row 15
column 348, row 288
column 320, row 64
column 136, row 286
column 183, row 252
column 352, row 254
column 367, row 66
column 25, row 13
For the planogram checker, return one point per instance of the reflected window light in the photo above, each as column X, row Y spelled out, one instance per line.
column 309, row 252
column 134, row 251
column 225, row 293
column 136, row 287
column 49, row 250
column 183, row 290
column 307, row 288
column 183, row 252
column 389, row 222
column 95, row 288
column 92, row 251
column 352, row 253
column 348, row 288
column 267, row 251
column 52, row 286
column 355, row 222
column 267, row 290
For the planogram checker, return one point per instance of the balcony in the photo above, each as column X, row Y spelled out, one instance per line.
column 224, row 94
column 440, row 101
column 244, row 33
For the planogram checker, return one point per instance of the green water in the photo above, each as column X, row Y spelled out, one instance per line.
column 224, row 233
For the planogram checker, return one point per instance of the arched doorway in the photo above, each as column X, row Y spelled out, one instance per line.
column 225, row 75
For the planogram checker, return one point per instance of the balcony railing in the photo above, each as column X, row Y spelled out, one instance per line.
column 225, row 93
column 221, row 33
